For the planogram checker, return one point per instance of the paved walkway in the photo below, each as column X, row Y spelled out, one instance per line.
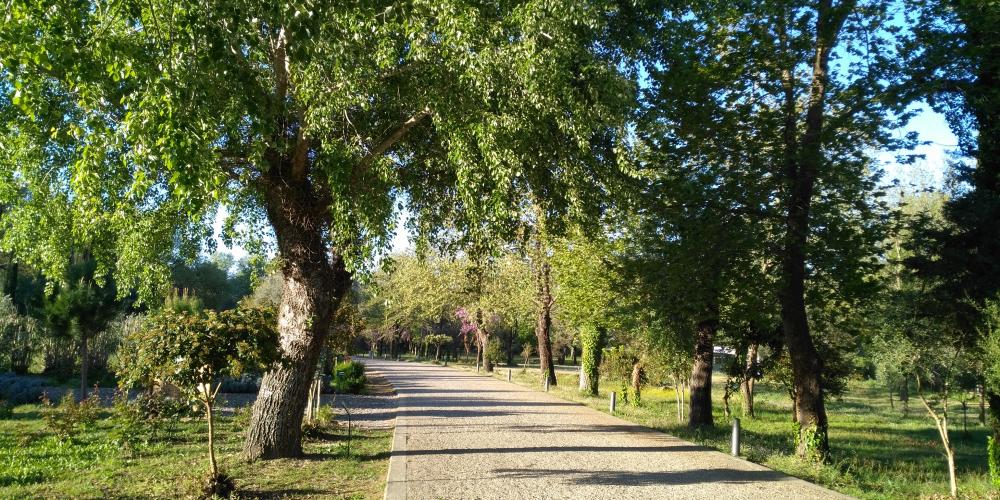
column 461, row 435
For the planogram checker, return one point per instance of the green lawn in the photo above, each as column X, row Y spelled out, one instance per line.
column 877, row 451
column 34, row 464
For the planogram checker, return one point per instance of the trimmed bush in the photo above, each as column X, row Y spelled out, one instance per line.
column 349, row 377
column 21, row 389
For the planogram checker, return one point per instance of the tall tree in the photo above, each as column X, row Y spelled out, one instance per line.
column 756, row 149
column 956, row 63
column 128, row 122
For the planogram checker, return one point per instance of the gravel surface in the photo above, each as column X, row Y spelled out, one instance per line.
column 461, row 435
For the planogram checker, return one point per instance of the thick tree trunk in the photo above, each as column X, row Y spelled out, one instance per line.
column 315, row 280
column 592, row 339
column 700, row 414
column 543, row 325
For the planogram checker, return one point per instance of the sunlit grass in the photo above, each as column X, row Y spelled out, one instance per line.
column 878, row 451
column 35, row 464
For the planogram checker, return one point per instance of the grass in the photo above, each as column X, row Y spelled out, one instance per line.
column 878, row 452
column 35, row 464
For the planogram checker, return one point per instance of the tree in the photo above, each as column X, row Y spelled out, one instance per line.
column 989, row 331
column 194, row 351
column 81, row 309
column 582, row 272
column 955, row 61
column 130, row 122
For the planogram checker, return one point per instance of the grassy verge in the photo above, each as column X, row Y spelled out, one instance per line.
column 35, row 464
column 878, row 451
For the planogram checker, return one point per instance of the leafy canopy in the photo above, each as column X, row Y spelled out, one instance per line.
column 126, row 123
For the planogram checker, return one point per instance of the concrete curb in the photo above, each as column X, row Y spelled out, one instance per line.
column 395, row 480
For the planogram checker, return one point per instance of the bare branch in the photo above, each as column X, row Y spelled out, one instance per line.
column 279, row 64
column 393, row 138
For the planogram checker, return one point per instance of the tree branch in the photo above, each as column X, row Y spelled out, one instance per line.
column 393, row 138
column 301, row 153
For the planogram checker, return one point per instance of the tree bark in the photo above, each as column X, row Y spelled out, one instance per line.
column 543, row 325
column 803, row 161
column 749, row 379
column 484, row 341
column 315, row 280
column 636, row 383
column 213, row 465
column 700, row 414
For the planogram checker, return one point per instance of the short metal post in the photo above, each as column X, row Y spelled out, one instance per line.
column 546, row 384
column 614, row 399
column 477, row 366
column 735, row 443
column 508, row 375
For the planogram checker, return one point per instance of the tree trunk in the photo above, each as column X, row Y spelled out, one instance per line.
column 700, row 413
column 315, row 280
column 636, row 383
column 982, row 403
column 10, row 281
column 802, row 164
column 213, row 465
column 749, row 379
column 904, row 396
column 510, row 344
column 437, row 353
column 592, row 339
column 543, row 325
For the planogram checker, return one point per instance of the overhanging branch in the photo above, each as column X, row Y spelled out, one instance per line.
column 393, row 138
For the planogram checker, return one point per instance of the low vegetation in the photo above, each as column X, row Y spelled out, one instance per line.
column 880, row 451
column 35, row 462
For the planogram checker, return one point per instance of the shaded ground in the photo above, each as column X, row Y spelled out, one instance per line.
column 461, row 435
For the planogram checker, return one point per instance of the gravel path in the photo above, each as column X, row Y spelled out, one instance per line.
column 460, row 435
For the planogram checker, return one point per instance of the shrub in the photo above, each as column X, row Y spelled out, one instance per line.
column 67, row 419
column 494, row 352
column 19, row 334
column 128, row 424
column 993, row 456
column 324, row 417
column 139, row 421
column 349, row 377
column 247, row 383
column 21, row 389
column 195, row 351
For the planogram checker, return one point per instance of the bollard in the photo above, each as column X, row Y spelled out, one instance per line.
column 614, row 398
column 546, row 384
column 735, row 444
column 477, row 366
column 508, row 375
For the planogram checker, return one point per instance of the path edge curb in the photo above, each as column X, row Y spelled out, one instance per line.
column 395, row 480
